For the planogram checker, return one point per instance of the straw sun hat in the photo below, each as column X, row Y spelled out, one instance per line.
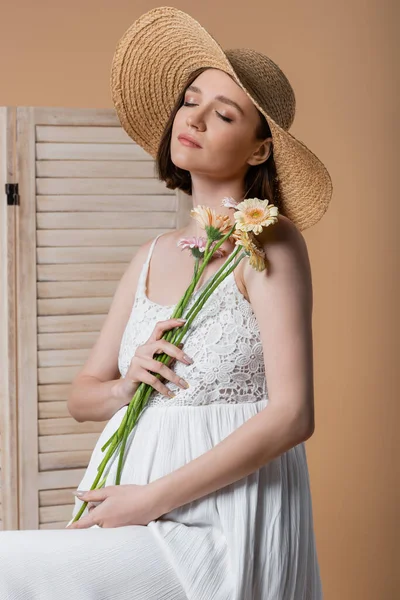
column 150, row 66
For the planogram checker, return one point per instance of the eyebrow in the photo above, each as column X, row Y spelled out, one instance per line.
column 221, row 98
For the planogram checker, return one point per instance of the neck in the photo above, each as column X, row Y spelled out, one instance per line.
column 210, row 193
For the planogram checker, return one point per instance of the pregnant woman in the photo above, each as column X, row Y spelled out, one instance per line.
column 214, row 500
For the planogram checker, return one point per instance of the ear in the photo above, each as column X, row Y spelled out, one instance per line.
column 262, row 153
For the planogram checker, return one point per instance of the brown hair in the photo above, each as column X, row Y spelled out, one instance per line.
column 260, row 181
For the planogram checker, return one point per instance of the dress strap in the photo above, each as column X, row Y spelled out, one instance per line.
column 145, row 269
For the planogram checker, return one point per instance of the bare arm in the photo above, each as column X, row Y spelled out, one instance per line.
column 282, row 301
column 92, row 399
column 92, row 395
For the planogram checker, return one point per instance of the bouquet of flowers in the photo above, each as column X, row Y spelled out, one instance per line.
column 251, row 216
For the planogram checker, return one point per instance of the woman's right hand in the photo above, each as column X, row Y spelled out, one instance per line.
column 143, row 362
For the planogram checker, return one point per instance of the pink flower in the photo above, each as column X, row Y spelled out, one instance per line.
column 229, row 202
column 200, row 244
column 193, row 242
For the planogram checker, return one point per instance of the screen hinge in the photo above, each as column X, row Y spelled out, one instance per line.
column 12, row 194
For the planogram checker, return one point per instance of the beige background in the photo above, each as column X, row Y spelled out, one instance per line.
column 341, row 60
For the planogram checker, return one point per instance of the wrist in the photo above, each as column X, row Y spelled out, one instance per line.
column 161, row 495
column 123, row 390
column 117, row 399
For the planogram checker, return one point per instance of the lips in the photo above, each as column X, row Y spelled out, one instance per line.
column 189, row 138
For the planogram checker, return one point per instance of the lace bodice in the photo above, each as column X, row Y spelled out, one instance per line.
column 223, row 340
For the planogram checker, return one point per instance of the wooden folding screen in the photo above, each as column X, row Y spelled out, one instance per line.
column 86, row 198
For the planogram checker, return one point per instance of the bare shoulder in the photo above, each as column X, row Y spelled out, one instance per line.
column 283, row 240
column 169, row 239
column 167, row 246
column 287, row 258
column 283, row 233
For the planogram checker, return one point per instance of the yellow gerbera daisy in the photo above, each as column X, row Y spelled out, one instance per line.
column 253, row 214
column 256, row 254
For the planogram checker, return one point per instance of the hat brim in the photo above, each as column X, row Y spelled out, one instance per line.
column 150, row 66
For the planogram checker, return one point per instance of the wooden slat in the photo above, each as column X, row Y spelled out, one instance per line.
column 8, row 325
column 79, row 151
column 96, row 237
column 66, row 442
column 103, row 271
column 57, row 374
column 62, row 358
column 87, row 117
column 49, row 480
column 56, row 497
column 103, row 220
column 57, row 525
column 73, row 306
column 95, row 168
column 165, row 202
column 76, row 133
column 83, row 185
column 53, row 410
column 66, row 341
column 64, row 426
column 27, row 324
column 75, row 289
column 85, row 255
column 74, row 459
column 60, row 513
column 51, row 393
column 69, row 324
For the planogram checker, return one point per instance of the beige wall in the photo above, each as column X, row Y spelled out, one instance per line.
column 340, row 57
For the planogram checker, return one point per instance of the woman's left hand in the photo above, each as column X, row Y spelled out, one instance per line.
column 119, row 505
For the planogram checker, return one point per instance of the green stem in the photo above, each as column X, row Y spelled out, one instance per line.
column 205, row 295
column 100, row 469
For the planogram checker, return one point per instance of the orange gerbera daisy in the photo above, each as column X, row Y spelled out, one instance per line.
column 216, row 225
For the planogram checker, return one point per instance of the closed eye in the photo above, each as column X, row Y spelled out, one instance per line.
column 221, row 116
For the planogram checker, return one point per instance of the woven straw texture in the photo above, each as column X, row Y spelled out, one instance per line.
column 150, row 66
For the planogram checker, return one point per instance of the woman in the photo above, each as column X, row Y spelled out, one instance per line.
column 214, row 501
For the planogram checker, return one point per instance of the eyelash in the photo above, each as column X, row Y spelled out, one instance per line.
column 221, row 116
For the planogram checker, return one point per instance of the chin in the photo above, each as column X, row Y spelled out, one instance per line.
column 182, row 162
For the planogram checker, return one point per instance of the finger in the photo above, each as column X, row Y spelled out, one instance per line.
column 175, row 351
column 83, row 523
column 165, row 347
column 92, row 495
column 162, row 326
column 165, row 372
column 152, row 380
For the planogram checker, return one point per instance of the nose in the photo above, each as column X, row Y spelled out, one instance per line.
column 195, row 120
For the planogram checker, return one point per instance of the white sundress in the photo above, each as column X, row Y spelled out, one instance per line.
column 251, row 540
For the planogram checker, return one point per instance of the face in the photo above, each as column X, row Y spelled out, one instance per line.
column 225, row 132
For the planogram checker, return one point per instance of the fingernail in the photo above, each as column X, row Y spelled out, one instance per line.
column 186, row 357
column 78, row 493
